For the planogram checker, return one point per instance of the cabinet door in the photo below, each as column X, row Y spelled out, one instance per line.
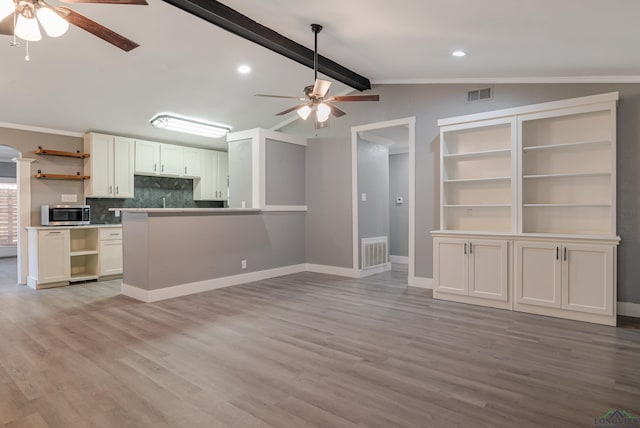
column 450, row 264
column 488, row 269
column 588, row 278
column 222, row 176
column 538, row 275
column 100, row 185
column 204, row 189
column 191, row 161
column 110, row 257
column 147, row 157
column 53, row 256
column 123, row 155
column 171, row 160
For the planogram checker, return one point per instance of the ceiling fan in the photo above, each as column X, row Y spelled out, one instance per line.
column 18, row 18
column 316, row 99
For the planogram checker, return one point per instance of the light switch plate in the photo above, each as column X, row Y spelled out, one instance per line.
column 364, row 197
column 69, row 198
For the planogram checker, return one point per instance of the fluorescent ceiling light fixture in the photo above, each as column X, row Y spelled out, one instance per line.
column 459, row 54
column 189, row 126
column 244, row 69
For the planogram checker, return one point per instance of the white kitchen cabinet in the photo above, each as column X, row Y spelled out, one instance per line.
column 191, row 160
column 110, row 166
column 204, row 188
column 110, row 250
column 147, row 157
column 171, row 164
column 48, row 258
column 567, row 275
column 222, row 177
column 473, row 267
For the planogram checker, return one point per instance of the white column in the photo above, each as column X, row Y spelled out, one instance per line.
column 23, row 181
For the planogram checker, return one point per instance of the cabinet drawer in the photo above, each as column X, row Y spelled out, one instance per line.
column 110, row 234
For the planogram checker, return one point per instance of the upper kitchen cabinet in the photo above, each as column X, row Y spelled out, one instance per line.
column 111, row 166
column 191, row 159
column 171, row 160
column 147, row 157
column 222, row 182
column 212, row 185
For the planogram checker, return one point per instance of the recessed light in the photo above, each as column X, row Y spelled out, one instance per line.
column 244, row 69
column 459, row 53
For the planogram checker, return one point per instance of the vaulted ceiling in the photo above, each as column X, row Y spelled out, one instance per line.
column 187, row 66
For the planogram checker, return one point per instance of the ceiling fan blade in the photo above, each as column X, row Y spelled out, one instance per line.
column 281, row 96
column 138, row 2
column 97, row 30
column 289, row 110
column 320, row 88
column 348, row 98
column 336, row 111
column 6, row 25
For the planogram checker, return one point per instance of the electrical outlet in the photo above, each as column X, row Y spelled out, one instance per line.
column 244, row 264
column 363, row 197
column 469, row 212
column 399, row 200
column 116, row 213
column 68, row 198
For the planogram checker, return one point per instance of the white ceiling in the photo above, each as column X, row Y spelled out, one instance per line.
column 188, row 66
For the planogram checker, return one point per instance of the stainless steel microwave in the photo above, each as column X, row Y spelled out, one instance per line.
column 65, row 215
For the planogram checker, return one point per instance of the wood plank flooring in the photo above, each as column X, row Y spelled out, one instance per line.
column 305, row 350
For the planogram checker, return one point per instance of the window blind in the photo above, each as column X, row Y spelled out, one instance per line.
column 8, row 214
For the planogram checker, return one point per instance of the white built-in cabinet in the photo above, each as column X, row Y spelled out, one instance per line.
column 171, row 164
column 538, row 185
column 61, row 255
column 147, row 157
column 110, row 166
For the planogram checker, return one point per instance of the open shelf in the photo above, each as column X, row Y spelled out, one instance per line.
column 42, row 175
column 484, row 153
column 569, row 175
column 478, row 206
column 82, row 277
column 83, row 253
column 77, row 154
column 477, row 180
column 570, row 146
column 567, row 205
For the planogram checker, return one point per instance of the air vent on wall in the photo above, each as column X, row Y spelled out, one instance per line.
column 480, row 94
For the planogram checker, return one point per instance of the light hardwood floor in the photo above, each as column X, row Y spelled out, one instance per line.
column 305, row 350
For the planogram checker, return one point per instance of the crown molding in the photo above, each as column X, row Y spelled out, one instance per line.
column 509, row 80
column 42, row 130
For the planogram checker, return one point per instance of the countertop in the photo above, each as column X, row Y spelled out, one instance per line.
column 84, row 226
column 188, row 210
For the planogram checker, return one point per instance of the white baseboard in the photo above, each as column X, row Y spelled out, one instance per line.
column 207, row 285
column 419, row 282
column 333, row 270
column 629, row 309
column 8, row 251
column 403, row 260
column 376, row 270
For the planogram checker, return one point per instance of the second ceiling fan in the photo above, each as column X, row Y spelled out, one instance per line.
column 316, row 99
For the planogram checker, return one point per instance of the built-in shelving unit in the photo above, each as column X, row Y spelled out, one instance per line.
column 42, row 175
column 83, row 254
column 528, row 209
column 50, row 152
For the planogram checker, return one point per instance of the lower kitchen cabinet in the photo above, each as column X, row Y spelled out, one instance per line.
column 59, row 255
column 472, row 270
column 565, row 276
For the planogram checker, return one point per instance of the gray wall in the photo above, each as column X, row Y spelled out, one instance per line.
column 240, row 176
column 373, row 179
column 432, row 102
column 8, row 169
column 47, row 191
column 399, row 213
column 328, row 187
column 168, row 250
column 285, row 176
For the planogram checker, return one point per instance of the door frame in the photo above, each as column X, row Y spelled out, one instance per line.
column 410, row 123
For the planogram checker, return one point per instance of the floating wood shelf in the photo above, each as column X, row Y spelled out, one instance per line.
column 50, row 152
column 62, row 176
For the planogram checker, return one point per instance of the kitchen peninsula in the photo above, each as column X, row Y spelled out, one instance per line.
column 171, row 252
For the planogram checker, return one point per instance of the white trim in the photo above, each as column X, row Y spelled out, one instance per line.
column 354, row 200
column 39, row 129
column 207, row 285
column 333, row 270
column 23, row 179
column 509, row 80
column 261, row 172
column 377, row 139
column 629, row 309
column 9, row 251
column 282, row 137
column 418, row 282
column 532, row 108
column 249, row 134
column 403, row 260
column 375, row 270
column 285, row 208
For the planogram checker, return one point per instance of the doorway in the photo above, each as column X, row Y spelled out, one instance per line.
column 383, row 189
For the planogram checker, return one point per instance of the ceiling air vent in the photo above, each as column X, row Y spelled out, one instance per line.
column 480, row 94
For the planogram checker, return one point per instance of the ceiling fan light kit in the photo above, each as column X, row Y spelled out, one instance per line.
column 316, row 100
column 30, row 14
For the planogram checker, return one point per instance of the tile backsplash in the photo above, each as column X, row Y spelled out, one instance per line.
column 148, row 193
